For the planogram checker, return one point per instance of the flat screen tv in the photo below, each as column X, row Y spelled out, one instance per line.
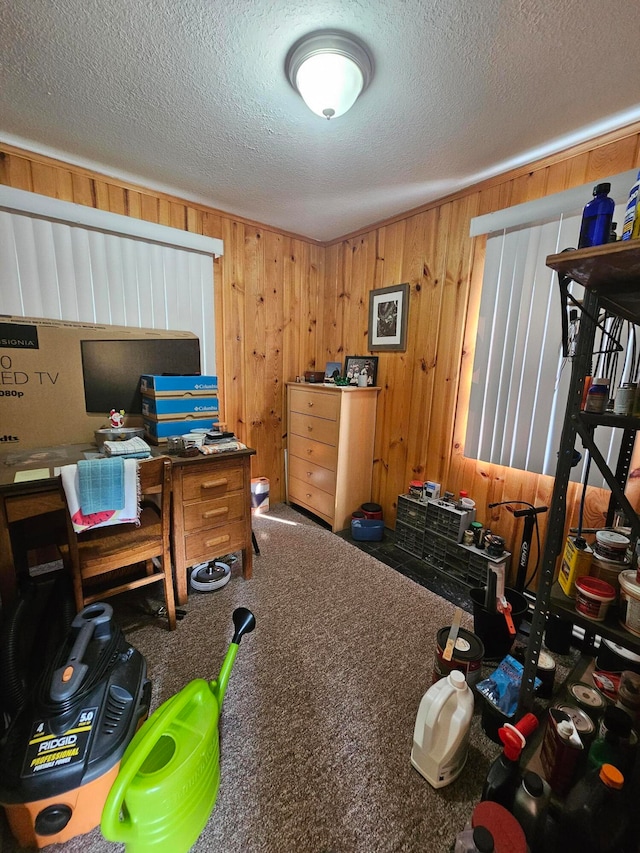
column 111, row 369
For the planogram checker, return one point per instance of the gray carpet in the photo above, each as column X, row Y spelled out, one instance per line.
column 317, row 723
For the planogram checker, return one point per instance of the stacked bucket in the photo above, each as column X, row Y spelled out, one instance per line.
column 367, row 524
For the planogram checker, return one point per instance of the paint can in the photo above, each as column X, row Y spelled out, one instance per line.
column 585, row 726
column 589, row 699
column 546, row 672
column 468, row 652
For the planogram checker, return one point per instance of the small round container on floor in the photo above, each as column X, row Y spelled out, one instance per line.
column 371, row 510
column 593, row 597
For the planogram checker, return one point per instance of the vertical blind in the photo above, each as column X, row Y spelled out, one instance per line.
column 60, row 270
column 520, row 379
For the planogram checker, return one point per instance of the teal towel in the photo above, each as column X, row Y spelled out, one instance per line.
column 101, row 485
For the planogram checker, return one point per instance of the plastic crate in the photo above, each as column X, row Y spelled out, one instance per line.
column 412, row 511
column 409, row 539
column 461, row 563
column 446, row 520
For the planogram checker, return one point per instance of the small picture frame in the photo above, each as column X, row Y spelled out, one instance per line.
column 388, row 310
column 332, row 371
column 361, row 365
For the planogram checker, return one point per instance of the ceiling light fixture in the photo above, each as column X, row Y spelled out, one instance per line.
column 329, row 69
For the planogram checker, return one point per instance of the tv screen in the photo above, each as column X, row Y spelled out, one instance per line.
column 112, row 368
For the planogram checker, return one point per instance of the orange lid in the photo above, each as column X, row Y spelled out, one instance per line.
column 611, row 776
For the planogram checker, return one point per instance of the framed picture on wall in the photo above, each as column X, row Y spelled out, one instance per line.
column 388, row 308
column 361, row 365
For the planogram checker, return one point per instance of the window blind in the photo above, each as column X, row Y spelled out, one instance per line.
column 520, row 379
column 97, row 273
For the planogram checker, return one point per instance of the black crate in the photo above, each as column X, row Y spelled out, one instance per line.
column 409, row 539
column 412, row 511
column 463, row 564
column 445, row 520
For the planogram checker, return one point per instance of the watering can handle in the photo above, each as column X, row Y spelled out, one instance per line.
column 113, row 828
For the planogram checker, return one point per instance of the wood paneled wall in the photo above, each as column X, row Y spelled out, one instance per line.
column 285, row 304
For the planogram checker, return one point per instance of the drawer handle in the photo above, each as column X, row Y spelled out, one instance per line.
column 308, row 495
column 214, row 513
column 309, row 428
column 215, row 484
column 309, row 474
column 310, row 404
column 217, row 541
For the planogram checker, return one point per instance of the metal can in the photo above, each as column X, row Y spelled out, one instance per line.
column 624, row 399
column 589, row 699
column 561, row 749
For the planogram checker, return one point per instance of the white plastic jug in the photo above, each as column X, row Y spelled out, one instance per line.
column 441, row 733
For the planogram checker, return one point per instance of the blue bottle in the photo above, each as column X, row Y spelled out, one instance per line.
column 596, row 218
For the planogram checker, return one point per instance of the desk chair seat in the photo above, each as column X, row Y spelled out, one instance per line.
column 106, row 561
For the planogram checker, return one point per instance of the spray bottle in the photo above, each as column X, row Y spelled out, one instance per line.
column 503, row 778
column 441, row 733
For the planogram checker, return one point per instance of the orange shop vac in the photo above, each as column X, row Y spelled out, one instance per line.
column 63, row 749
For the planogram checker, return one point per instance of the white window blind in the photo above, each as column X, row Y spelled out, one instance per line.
column 98, row 273
column 520, row 379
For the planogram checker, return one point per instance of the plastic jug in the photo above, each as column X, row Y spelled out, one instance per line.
column 595, row 816
column 441, row 733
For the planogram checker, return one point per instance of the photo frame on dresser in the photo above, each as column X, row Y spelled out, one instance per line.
column 359, row 365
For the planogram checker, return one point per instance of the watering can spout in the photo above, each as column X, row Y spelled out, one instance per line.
column 244, row 621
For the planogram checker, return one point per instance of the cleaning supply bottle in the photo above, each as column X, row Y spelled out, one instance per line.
column 530, row 807
column 441, row 733
column 595, row 818
column 597, row 215
column 503, row 778
column 614, row 743
column 631, row 223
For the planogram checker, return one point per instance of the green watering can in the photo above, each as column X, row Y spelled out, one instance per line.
column 168, row 780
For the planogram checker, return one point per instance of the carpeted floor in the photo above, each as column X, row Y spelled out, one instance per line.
column 317, row 722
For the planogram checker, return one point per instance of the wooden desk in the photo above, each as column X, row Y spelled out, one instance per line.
column 211, row 506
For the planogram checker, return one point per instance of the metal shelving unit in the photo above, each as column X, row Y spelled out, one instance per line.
column 610, row 275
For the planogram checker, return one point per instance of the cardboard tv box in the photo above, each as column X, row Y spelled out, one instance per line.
column 42, row 392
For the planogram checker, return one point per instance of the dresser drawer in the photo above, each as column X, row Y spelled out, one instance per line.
column 316, row 428
column 213, row 482
column 205, row 514
column 313, row 475
column 325, row 455
column 310, row 402
column 209, row 544
column 311, row 497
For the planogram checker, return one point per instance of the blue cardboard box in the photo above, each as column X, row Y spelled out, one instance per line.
column 163, row 408
column 158, row 431
column 178, row 386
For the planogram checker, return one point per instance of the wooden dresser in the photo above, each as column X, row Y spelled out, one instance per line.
column 211, row 512
column 331, row 431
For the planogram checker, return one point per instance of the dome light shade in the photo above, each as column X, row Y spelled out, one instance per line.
column 330, row 70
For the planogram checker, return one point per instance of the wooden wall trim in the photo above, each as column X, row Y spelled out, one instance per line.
column 629, row 131
column 35, row 157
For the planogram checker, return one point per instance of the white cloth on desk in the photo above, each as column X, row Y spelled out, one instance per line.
column 130, row 513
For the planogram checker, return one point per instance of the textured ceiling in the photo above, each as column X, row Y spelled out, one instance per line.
column 190, row 96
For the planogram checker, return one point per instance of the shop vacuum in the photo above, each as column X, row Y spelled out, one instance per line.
column 62, row 751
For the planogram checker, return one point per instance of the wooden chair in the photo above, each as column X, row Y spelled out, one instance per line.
column 99, row 557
